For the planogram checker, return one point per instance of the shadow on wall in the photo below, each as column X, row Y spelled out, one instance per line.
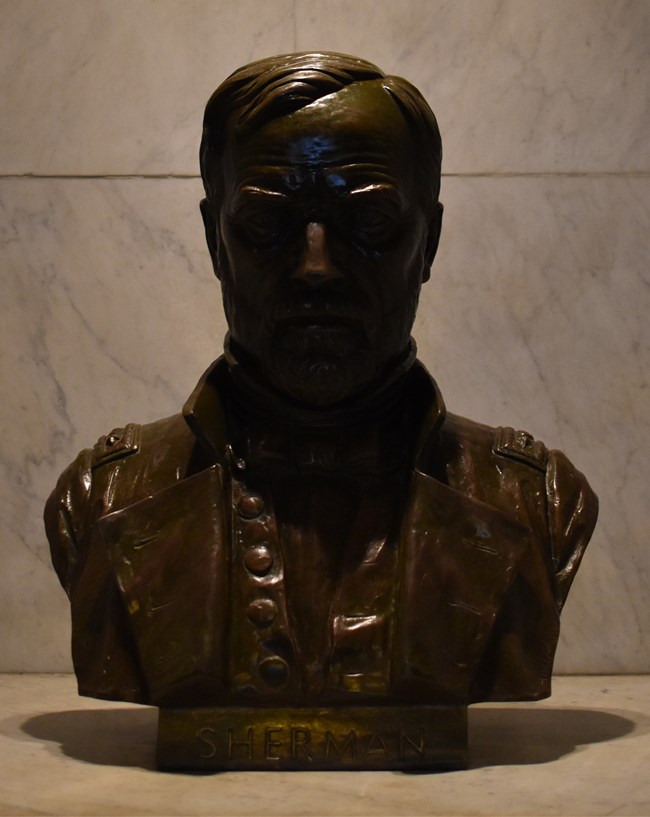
column 497, row 736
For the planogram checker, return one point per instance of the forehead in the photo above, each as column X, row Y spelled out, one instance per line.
column 355, row 134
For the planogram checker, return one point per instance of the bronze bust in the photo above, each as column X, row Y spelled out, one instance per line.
column 315, row 537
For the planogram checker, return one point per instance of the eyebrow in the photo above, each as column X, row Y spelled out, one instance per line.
column 251, row 189
column 373, row 187
column 366, row 190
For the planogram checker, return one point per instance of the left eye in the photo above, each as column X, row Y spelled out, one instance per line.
column 263, row 226
column 265, row 221
column 371, row 225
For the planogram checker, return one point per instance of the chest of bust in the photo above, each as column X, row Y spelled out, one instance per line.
column 313, row 578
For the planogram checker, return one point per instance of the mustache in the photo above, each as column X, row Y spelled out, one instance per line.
column 302, row 307
column 318, row 324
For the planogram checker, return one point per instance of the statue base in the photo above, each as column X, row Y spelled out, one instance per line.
column 412, row 738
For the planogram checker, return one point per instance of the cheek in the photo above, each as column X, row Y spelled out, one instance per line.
column 398, row 277
column 248, row 294
column 238, row 271
column 249, row 266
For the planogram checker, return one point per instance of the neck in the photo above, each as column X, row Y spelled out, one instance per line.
column 367, row 433
column 257, row 398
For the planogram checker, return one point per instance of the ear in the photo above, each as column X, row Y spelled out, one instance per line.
column 433, row 239
column 211, row 232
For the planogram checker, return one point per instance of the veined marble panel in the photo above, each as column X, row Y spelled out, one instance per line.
column 118, row 87
column 110, row 314
column 517, row 85
column 535, row 316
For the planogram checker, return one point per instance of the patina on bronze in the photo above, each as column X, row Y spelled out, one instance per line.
column 316, row 565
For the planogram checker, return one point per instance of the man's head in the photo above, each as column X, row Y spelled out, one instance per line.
column 322, row 218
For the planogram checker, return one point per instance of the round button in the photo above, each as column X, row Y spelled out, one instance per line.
column 274, row 670
column 250, row 506
column 262, row 612
column 258, row 559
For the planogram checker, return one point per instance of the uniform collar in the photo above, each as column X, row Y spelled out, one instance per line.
column 206, row 415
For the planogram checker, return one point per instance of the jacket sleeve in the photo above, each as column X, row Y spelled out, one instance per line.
column 65, row 514
column 572, row 512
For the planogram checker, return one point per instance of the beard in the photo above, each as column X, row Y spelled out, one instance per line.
column 321, row 356
column 320, row 365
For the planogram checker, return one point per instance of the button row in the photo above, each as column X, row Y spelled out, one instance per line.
column 262, row 612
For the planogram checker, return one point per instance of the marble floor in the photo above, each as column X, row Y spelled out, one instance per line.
column 585, row 751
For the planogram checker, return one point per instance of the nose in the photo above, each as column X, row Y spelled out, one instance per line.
column 315, row 266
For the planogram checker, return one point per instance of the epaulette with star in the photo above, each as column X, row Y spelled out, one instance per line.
column 120, row 443
column 520, row 446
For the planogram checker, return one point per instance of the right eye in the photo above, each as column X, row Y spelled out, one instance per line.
column 372, row 222
column 263, row 226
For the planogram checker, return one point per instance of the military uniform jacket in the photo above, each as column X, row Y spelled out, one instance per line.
column 161, row 545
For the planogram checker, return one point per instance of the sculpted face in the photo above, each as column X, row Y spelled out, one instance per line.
column 321, row 244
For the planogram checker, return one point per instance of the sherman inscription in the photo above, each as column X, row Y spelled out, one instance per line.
column 279, row 742
column 354, row 738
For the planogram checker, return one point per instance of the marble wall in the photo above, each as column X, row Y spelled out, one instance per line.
column 536, row 315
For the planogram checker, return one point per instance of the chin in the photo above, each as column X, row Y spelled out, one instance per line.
column 318, row 367
column 319, row 381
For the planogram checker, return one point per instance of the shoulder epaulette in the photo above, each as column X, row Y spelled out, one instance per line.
column 521, row 446
column 121, row 442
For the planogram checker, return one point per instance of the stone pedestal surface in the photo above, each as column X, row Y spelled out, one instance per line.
column 585, row 751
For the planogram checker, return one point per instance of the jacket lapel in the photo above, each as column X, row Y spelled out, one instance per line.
column 458, row 559
column 168, row 553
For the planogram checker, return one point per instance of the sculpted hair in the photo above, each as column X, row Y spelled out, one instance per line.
column 264, row 90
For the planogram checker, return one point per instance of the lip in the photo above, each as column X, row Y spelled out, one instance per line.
column 309, row 320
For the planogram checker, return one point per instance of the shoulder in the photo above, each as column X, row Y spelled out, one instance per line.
column 160, row 439
column 500, row 443
column 164, row 442
column 476, row 457
column 572, row 514
column 511, row 470
column 150, row 456
column 126, row 464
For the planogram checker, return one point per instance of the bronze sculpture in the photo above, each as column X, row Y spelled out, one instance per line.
column 316, row 565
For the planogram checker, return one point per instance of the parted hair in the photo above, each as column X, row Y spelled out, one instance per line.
column 264, row 90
